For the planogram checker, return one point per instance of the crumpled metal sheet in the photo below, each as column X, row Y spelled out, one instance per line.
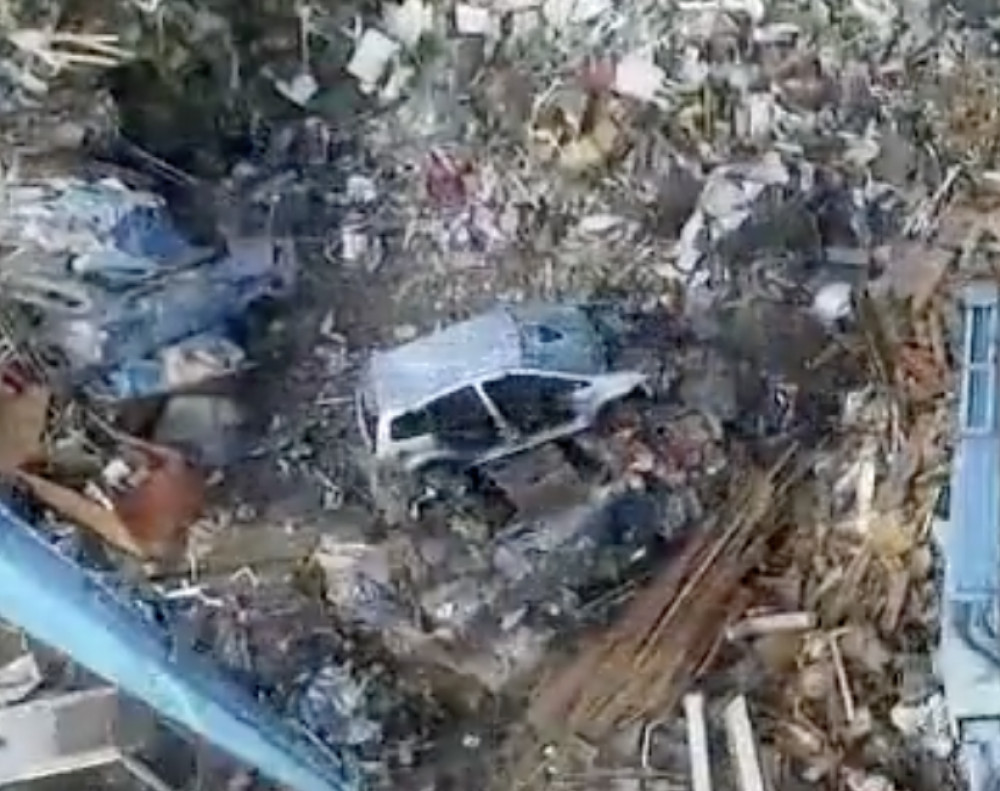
column 120, row 290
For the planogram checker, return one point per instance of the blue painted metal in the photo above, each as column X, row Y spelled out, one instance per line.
column 58, row 603
column 975, row 547
column 969, row 652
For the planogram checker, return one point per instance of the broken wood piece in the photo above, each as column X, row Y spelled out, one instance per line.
column 895, row 600
column 23, row 418
column 159, row 509
column 82, row 511
column 842, row 682
column 149, row 520
column 19, row 678
column 697, row 734
column 759, row 625
column 743, row 747
column 808, row 744
column 670, row 628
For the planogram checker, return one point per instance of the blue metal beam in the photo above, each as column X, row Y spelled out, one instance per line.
column 968, row 656
column 58, row 603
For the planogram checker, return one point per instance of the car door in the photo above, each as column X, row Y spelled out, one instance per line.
column 538, row 408
column 462, row 425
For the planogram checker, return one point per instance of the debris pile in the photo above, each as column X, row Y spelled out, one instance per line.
column 781, row 198
column 120, row 297
column 813, row 595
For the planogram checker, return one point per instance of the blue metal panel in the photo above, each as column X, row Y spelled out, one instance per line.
column 974, row 544
column 56, row 602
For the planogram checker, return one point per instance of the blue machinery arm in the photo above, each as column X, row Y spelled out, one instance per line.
column 969, row 651
column 55, row 601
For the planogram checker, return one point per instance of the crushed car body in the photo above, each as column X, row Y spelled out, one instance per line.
column 487, row 388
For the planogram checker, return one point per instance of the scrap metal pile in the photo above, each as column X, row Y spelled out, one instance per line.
column 775, row 207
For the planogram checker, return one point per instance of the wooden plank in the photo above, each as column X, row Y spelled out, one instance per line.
column 758, row 625
column 697, row 734
column 743, row 747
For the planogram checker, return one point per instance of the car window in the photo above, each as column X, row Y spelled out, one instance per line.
column 533, row 403
column 461, row 420
column 411, row 424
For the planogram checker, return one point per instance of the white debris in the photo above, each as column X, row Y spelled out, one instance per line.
column 189, row 363
column 116, row 473
column 752, row 8
column 409, row 21
column 371, row 59
column 928, row 722
column 300, row 89
column 19, row 678
column 776, row 33
column 562, row 13
column 692, row 71
column 473, row 20
column 515, row 6
column 878, row 15
column 599, row 223
column 361, row 189
column 856, row 780
column 990, row 180
column 833, row 302
column 353, row 243
column 401, row 76
column 638, row 77
column 756, row 118
column 405, row 332
column 861, row 151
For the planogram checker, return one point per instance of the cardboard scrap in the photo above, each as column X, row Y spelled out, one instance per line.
column 22, row 426
column 81, row 510
column 149, row 520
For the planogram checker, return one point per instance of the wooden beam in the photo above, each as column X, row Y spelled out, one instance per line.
column 743, row 747
column 697, row 734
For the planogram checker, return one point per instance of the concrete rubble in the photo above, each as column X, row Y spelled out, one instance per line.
column 776, row 569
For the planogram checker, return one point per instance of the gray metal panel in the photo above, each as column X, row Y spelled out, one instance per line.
column 408, row 375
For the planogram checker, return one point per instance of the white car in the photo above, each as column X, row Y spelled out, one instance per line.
column 483, row 389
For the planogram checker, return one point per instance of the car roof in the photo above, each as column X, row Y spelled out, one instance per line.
column 551, row 337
